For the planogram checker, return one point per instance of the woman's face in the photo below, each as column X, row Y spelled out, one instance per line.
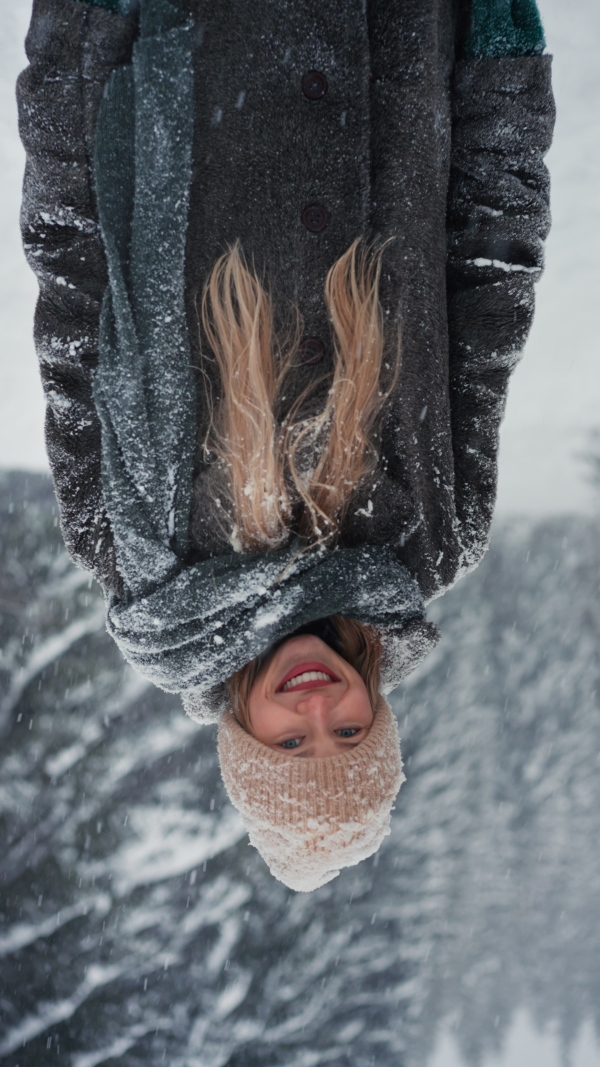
column 309, row 701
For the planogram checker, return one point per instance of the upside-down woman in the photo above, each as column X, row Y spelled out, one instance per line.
column 286, row 255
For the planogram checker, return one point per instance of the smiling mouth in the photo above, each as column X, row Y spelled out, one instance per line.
column 307, row 676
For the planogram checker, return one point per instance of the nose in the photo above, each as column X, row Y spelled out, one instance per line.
column 315, row 705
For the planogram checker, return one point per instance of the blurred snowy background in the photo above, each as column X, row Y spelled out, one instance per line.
column 137, row 927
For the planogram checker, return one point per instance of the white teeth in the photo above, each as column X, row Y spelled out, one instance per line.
column 307, row 676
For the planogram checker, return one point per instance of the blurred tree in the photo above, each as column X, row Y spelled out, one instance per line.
column 136, row 925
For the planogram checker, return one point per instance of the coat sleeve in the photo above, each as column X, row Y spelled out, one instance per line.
column 498, row 218
column 72, row 49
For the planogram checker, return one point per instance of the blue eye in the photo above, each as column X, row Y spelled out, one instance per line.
column 347, row 731
column 292, row 743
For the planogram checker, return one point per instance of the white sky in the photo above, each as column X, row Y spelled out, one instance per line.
column 555, row 394
column 554, row 399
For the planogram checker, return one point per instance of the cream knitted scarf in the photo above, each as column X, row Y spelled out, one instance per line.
column 308, row 817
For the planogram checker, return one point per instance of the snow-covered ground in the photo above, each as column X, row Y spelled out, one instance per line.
column 555, row 396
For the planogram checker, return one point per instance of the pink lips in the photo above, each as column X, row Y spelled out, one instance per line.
column 314, row 683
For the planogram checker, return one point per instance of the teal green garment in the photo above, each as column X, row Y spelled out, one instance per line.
column 504, row 28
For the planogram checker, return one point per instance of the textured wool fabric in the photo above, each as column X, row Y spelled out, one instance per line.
column 410, row 141
column 72, row 51
column 191, row 625
column 204, row 623
column 497, row 27
column 118, row 7
column 505, row 28
column 403, row 131
column 143, row 387
column 309, row 817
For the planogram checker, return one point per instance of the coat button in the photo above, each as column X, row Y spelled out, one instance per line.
column 311, row 350
column 315, row 217
column 314, row 85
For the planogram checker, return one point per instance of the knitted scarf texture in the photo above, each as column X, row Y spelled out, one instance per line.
column 188, row 627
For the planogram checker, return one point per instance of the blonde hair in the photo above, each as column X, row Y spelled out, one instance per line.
column 237, row 316
column 360, row 646
column 263, row 461
column 341, row 433
column 272, row 474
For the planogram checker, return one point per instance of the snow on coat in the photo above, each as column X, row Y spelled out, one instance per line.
column 409, row 141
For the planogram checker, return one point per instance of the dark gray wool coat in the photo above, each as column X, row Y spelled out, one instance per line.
column 398, row 136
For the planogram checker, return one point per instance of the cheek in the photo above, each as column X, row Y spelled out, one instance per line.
column 360, row 705
column 266, row 717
